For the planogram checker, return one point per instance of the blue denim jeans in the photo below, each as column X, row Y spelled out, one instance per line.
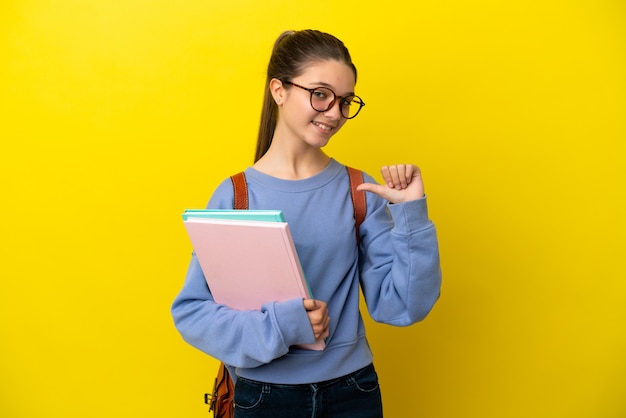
column 356, row 395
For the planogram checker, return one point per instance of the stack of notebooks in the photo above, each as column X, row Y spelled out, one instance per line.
column 247, row 256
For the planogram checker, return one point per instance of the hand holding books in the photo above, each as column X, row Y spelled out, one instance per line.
column 318, row 315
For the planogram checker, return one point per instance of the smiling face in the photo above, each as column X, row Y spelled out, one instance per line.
column 296, row 118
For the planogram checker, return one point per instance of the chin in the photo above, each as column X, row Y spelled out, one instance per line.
column 321, row 143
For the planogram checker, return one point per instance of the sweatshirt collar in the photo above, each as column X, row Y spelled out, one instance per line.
column 332, row 170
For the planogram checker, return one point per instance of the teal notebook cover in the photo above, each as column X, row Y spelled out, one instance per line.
column 238, row 215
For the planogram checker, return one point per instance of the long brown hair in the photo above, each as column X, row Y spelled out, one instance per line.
column 293, row 50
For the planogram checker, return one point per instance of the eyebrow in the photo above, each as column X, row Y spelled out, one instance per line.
column 328, row 86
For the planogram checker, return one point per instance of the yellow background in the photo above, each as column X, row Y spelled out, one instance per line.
column 118, row 114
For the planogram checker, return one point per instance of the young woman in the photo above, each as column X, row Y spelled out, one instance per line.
column 309, row 96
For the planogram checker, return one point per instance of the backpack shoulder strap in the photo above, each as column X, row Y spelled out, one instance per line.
column 240, row 189
column 359, row 200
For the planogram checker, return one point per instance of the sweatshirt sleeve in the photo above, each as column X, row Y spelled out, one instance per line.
column 400, row 266
column 238, row 338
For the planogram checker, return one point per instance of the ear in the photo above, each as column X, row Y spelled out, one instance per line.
column 278, row 90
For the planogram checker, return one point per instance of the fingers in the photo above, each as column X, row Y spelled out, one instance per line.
column 403, row 182
column 317, row 312
column 399, row 176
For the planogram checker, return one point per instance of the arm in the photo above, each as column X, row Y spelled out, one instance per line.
column 400, row 267
column 239, row 338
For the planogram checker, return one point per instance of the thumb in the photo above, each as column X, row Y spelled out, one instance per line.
column 310, row 304
column 372, row 187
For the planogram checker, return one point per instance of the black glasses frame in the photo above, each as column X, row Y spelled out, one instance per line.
column 353, row 98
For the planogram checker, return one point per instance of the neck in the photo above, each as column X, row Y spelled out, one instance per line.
column 287, row 165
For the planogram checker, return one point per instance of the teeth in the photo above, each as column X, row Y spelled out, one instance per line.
column 324, row 127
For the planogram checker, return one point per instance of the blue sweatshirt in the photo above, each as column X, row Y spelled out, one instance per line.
column 396, row 264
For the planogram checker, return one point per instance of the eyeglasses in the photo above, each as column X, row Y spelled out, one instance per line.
column 323, row 99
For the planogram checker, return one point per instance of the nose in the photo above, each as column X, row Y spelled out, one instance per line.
column 335, row 110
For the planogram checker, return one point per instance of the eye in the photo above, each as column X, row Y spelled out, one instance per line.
column 320, row 94
column 347, row 101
